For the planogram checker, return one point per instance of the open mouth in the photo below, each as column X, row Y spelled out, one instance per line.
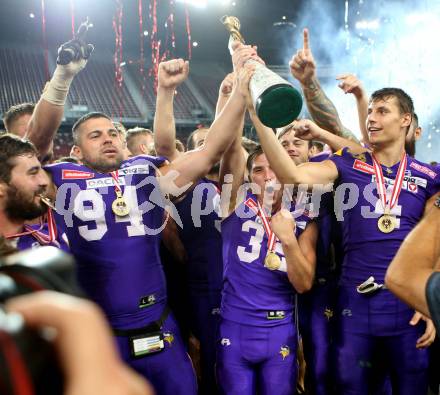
column 109, row 151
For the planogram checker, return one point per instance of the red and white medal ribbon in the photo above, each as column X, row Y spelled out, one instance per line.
column 258, row 210
column 41, row 237
column 115, row 176
column 398, row 182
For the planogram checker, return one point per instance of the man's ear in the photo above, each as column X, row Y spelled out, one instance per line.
column 77, row 152
column 407, row 119
column 144, row 149
column 417, row 133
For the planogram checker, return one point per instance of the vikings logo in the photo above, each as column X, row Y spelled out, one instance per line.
column 168, row 337
column 285, row 352
column 361, row 157
column 328, row 313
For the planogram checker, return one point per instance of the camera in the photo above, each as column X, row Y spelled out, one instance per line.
column 28, row 363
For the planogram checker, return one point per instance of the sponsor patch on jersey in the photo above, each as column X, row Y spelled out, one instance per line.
column 68, row 174
column 423, row 169
column 138, row 169
column 409, row 183
column 276, row 315
column 363, row 167
column 103, row 182
column 412, row 187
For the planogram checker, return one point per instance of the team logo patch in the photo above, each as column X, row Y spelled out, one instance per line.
column 423, row 169
column 225, row 342
column 285, row 352
column 361, row 157
column 363, row 167
column 76, row 175
column 328, row 313
column 168, row 337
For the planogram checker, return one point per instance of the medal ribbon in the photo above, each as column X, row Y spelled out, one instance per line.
column 115, row 176
column 257, row 209
column 397, row 187
column 41, row 237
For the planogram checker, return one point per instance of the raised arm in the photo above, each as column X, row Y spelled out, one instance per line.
column 349, row 83
column 224, row 93
column 416, row 260
column 300, row 253
column 284, row 167
column 193, row 165
column 171, row 74
column 232, row 164
column 308, row 130
column 49, row 110
column 321, row 109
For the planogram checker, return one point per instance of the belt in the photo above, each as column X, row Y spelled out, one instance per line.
column 151, row 327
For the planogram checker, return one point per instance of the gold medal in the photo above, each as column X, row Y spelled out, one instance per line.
column 386, row 223
column 119, row 206
column 272, row 261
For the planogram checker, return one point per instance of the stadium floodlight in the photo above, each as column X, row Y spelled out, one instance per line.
column 195, row 3
column 195, row 44
column 32, row 15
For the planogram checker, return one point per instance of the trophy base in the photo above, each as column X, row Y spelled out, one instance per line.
column 278, row 105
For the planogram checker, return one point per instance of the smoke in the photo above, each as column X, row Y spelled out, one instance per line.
column 385, row 43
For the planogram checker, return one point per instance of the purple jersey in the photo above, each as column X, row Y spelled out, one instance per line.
column 33, row 241
column 368, row 251
column 118, row 257
column 199, row 212
column 253, row 294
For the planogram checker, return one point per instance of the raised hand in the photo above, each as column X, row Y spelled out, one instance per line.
column 73, row 54
column 306, row 129
column 283, row 225
column 241, row 84
column 172, row 73
column 349, row 83
column 242, row 53
column 227, row 85
column 302, row 65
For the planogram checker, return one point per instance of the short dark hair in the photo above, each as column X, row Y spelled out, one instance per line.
column 406, row 104
column 15, row 112
column 317, row 144
column 190, row 140
column 84, row 118
column 12, row 146
column 258, row 150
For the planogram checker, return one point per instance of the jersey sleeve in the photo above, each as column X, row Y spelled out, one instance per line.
column 343, row 159
column 65, row 171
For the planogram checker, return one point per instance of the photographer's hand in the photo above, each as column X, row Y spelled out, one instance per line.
column 84, row 343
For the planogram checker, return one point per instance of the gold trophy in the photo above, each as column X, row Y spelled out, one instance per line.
column 276, row 102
